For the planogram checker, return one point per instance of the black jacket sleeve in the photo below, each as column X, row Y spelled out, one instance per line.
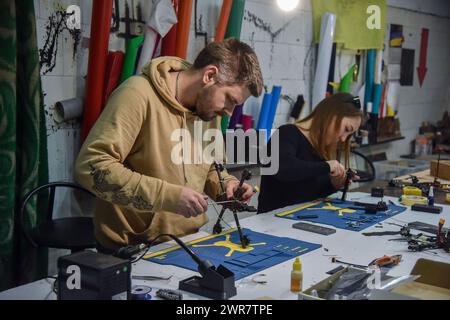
column 292, row 168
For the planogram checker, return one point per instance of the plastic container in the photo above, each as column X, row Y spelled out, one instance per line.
column 297, row 276
column 389, row 169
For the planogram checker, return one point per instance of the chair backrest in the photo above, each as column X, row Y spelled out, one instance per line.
column 51, row 199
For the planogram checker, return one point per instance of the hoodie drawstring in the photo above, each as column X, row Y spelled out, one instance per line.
column 184, row 126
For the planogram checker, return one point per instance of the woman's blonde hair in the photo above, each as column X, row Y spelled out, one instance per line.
column 333, row 108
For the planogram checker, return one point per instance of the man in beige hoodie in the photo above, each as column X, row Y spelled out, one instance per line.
column 126, row 158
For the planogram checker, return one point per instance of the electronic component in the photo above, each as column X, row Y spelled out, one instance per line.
column 169, row 294
column 313, row 228
column 377, row 192
column 426, row 208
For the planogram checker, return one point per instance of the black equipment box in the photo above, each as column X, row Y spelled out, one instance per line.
column 88, row 275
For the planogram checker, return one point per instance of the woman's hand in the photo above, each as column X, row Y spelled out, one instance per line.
column 339, row 182
column 337, row 170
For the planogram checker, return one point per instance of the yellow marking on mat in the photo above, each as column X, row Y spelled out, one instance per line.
column 329, row 206
column 175, row 247
column 230, row 245
column 285, row 213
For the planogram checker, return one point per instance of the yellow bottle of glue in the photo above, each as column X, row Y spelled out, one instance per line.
column 296, row 276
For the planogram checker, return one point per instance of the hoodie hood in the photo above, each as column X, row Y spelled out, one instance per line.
column 158, row 72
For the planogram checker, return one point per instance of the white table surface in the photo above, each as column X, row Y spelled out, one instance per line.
column 346, row 245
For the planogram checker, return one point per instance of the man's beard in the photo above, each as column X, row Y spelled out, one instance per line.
column 204, row 116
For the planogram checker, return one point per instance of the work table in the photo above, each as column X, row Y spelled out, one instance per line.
column 345, row 245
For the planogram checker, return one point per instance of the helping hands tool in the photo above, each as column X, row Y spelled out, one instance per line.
column 349, row 175
column 235, row 204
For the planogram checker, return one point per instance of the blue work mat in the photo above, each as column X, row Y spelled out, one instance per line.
column 336, row 213
column 264, row 251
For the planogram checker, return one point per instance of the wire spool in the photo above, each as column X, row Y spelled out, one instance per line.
column 408, row 200
column 412, row 191
column 141, row 293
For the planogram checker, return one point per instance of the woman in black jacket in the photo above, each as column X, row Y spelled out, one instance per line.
column 309, row 154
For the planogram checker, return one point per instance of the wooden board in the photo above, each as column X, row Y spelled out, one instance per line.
column 424, row 176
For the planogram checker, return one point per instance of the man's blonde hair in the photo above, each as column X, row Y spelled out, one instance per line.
column 237, row 64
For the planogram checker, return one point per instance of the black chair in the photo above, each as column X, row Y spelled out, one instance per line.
column 73, row 233
column 364, row 167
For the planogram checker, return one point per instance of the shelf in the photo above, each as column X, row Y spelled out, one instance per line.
column 380, row 142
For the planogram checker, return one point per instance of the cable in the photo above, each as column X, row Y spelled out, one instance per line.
column 203, row 265
column 218, row 216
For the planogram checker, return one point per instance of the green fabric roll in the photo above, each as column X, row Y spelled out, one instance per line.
column 23, row 143
column 224, row 123
column 234, row 24
column 234, row 27
column 344, row 85
column 129, row 62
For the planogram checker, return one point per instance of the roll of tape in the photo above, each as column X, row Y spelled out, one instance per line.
column 141, row 293
column 412, row 191
column 410, row 200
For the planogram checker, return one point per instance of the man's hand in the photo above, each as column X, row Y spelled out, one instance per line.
column 247, row 190
column 191, row 203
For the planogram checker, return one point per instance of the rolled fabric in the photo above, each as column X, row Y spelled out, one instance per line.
column 236, row 117
column 370, row 64
column 392, row 98
column 383, row 107
column 246, row 121
column 276, row 93
column 161, row 19
column 224, row 123
column 330, row 88
column 148, row 46
column 169, row 42
column 223, row 20
column 68, row 109
column 234, row 25
column 324, row 58
column 377, row 92
column 344, row 85
column 264, row 114
column 378, row 66
column 298, row 107
column 184, row 21
column 98, row 55
column 129, row 62
column 112, row 74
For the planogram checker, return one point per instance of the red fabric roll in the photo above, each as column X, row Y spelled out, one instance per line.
column 112, row 74
column 168, row 44
column 98, row 55
column 246, row 121
column 223, row 20
column 184, row 22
